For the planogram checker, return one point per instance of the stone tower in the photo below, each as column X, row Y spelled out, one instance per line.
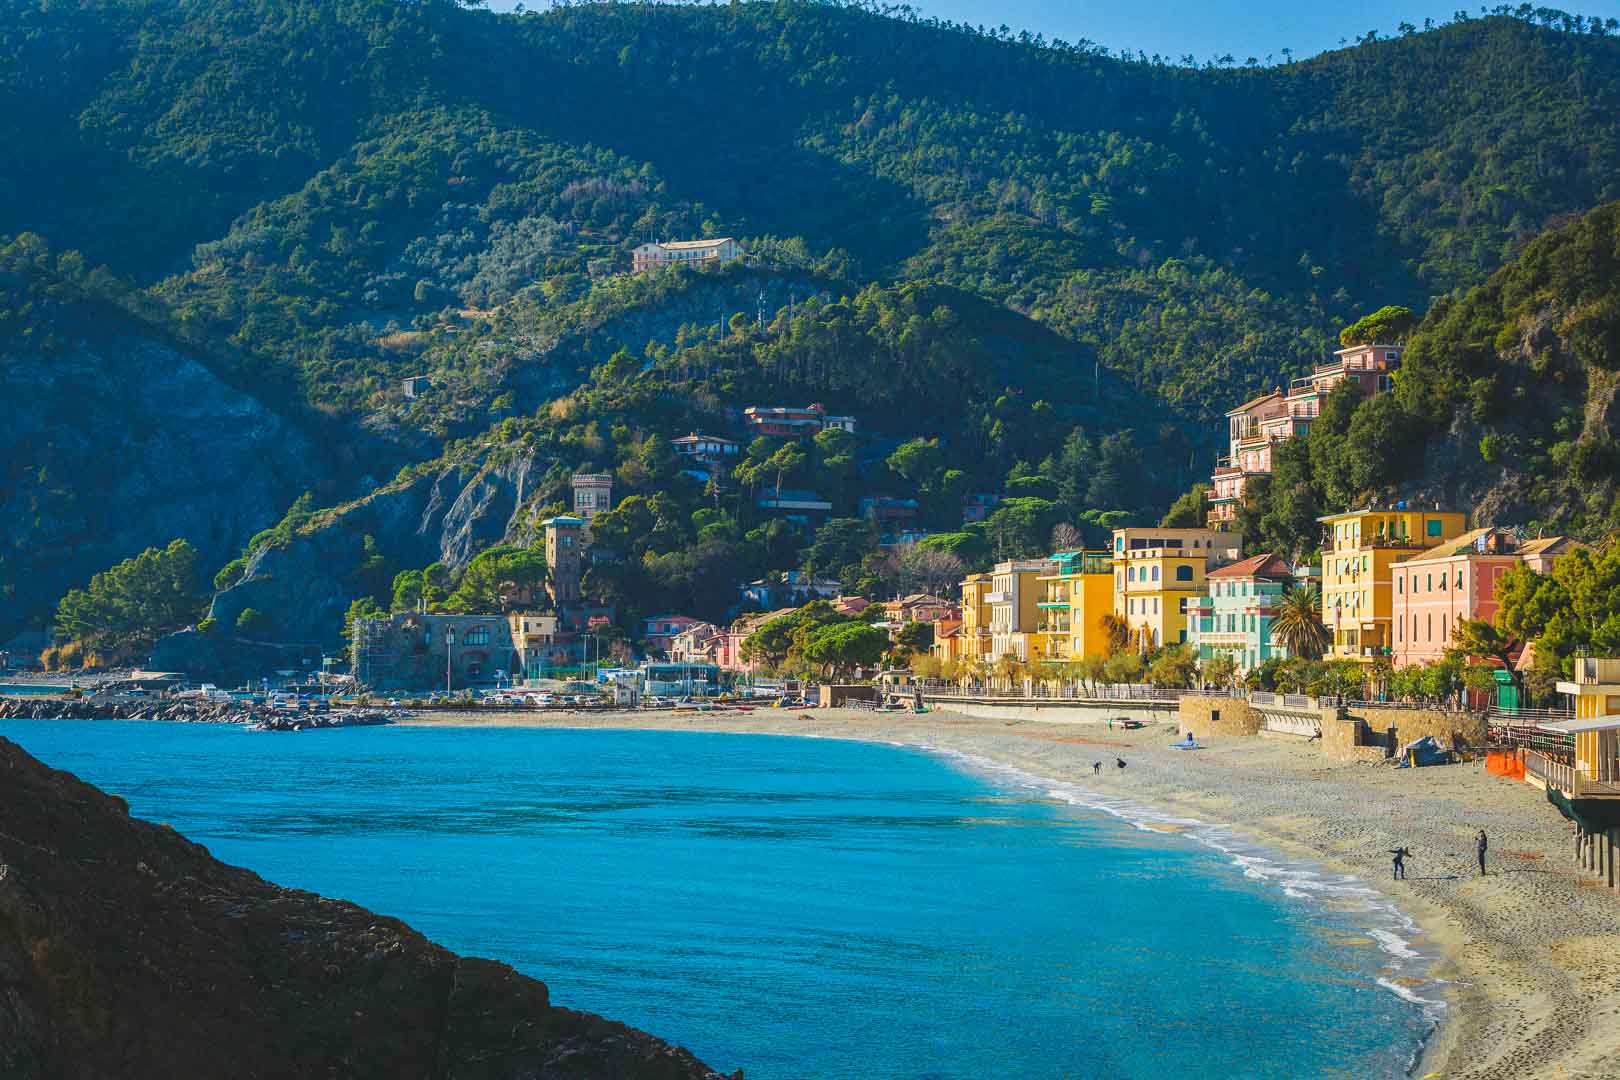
column 565, row 555
column 593, row 494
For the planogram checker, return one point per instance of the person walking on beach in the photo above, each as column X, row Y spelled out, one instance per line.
column 1401, row 855
column 1096, row 768
column 1480, row 844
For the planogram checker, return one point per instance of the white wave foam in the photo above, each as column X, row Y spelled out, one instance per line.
column 1391, row 928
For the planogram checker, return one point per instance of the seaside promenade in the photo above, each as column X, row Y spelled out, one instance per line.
column 1527, row 953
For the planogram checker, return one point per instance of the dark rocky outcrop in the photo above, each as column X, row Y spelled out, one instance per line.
column 128, row 952
column 122, row 442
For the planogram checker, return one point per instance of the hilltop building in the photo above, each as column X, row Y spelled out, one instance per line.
column 1158, row 572
column 1236, row 617
column 1359, row 554
column 684, row 253
column 705, row 457
column 1257, row 425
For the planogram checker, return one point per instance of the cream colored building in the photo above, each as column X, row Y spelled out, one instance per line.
column 685, row 253
column 1015, row 595
column 1158, row 572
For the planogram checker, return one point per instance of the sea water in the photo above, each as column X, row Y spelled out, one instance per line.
column 802, row 908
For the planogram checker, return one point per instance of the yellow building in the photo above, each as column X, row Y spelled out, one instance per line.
column 1156, row 573
column 1079, row 591
column 1360, row 547
column 973, row 644
column 1596, row 689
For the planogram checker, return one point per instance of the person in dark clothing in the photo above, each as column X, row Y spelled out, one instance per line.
column 1120, row 762
column 1096, row 768
column 1401, row 855
column 1480, row 844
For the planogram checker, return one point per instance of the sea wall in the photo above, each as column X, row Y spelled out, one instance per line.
column 1058, row 712
column 1347, row 738
column 1453, row 730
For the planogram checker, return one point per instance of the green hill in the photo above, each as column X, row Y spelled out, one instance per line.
column 954, row 234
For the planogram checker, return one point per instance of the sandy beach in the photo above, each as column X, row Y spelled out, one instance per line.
column 1529, row 954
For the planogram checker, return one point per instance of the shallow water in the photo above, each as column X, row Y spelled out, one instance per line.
column 801, row 908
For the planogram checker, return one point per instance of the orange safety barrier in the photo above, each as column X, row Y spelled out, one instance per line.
column 1508, row 765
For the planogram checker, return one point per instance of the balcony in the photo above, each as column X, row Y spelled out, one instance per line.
column 1003, row 596
column 1597, row 671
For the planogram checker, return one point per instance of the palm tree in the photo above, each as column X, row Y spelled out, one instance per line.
column 1298, row 627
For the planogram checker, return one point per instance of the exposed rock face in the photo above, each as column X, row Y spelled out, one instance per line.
column 124, row 443
column 128, row 952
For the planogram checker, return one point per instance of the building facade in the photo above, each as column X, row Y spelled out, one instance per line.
column 1359, row 554
column 1157, row 574
column 593, row 494
column 974, row 647
column 565, row 558
column 792, row 422
column 1457, row 580
column 1258, row 425
column 1235, row 617
column 1078, row 593
column 1015, row 612
column 684, row 253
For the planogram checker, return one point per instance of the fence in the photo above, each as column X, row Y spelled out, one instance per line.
column 1110, row 692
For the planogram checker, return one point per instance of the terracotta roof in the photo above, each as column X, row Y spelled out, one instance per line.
column 1543, row 544
column 1264, row 566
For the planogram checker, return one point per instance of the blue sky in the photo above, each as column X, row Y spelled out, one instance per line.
column 1205, row 28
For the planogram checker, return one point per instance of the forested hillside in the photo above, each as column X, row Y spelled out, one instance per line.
column 1011, row 246
column 1505, row 405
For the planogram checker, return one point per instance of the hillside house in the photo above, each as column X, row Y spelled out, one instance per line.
column 684, row 253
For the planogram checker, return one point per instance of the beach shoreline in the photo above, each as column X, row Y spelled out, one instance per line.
column 1529, row 955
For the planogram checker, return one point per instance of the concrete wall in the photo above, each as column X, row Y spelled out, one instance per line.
column 1219, row 716
column 841, row 694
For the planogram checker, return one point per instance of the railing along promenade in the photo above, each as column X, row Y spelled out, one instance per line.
column 1107, row 692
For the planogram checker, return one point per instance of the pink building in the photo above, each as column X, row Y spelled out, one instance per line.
column 1457, row 580
column 660, row 631
column 1259, row 424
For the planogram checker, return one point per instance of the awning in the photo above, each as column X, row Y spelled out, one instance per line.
column 1572, row 727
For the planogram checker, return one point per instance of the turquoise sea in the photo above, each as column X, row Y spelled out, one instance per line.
column 804, row 909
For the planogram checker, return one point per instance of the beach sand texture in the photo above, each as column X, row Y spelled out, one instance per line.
column 1530, row 953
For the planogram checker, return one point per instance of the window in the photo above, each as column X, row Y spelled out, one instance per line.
column 1435, row 528
column 1184, row 573
column 1400, row 584
column 1442, row 581
column 1155, row 573
column 1130, row 607
column 1431, row 626
column 1428, row 582
column 1130, row 573
column 478, row 635
column 1155, row 605
column 1459, row 579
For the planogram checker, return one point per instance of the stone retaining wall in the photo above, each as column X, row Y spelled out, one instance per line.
column 1058, row 712
column 1451, row 730
column 1219, row 716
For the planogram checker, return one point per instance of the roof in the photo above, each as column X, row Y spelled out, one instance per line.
column 1366, row 510
column 563, row 519
column 1571, row 727
column 689, row 245
column 695, row 437
column 1263, row 566
column 1252, row 402
column 1458, row 545
column 1541, row 545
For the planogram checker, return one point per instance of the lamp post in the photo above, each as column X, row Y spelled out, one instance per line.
column 449, row 640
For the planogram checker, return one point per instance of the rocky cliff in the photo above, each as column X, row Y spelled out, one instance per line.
column 128, row 952
column 117, row 442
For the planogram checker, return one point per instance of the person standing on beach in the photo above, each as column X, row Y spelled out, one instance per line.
column 1480, row 844
column 1096, row 768
column 1401, row 855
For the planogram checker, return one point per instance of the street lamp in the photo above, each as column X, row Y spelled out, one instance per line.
column 449, row 640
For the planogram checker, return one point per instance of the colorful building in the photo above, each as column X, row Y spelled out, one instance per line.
column 1456, row 580
column 1157, row 574
column 1360, row 552
column 1258, row 425
column 974, row 647
column 1236, row 618
column 1015, row 613
column 1079, row 592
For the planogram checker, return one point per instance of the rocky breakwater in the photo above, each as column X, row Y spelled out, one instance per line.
column 128, row 951
column 194, row 712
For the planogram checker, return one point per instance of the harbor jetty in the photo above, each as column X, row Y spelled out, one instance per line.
column 258, row 717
